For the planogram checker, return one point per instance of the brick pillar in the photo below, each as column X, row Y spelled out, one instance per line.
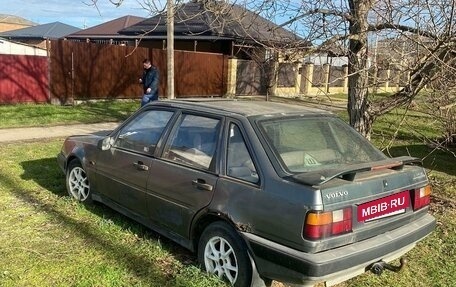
column 298, row 77
column 275, row 78
column 326, row 71
column 388, row 75
column 308, row 69
column 345, row 88
column 231, row 81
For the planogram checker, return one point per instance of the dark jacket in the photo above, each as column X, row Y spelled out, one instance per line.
column 150, row 79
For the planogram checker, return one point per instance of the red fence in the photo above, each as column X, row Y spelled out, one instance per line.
column 23, row 79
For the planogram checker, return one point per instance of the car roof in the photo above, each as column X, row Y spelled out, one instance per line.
column 246, row 108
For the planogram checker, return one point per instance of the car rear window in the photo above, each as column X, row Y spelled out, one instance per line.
column 313, row 143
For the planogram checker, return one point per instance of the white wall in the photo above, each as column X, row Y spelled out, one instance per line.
column 11, row 48
column 321, row 59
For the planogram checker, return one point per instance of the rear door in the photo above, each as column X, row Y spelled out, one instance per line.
column 183, row 180
column 124, row 169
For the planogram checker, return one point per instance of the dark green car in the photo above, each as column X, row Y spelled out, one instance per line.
column 260, row 191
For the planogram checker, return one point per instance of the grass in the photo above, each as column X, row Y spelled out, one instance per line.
column 432, row 261
column 28, row 115
column 49, row 240
column 46, row 239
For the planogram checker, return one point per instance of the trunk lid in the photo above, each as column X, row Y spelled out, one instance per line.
column 380, row 196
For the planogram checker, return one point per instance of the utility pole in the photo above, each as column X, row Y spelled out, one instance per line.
column 170, row 48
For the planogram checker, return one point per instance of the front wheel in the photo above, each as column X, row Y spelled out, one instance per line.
column 77, row 182
column 222, row 252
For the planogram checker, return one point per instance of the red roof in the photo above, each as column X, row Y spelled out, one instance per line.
column 109, row 28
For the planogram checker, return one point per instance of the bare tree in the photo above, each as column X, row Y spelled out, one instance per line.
column 427, row 26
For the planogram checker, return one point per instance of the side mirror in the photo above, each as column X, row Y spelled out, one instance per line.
column 106, row 143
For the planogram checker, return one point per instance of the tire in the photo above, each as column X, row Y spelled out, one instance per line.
column 222, row 252
column 77, row 182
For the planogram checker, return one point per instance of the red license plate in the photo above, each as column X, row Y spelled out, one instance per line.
column 383, row 207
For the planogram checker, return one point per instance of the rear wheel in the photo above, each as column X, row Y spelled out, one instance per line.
column 222, row 252
column 77, row 183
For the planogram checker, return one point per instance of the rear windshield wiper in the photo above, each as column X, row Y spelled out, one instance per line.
column 348, row 172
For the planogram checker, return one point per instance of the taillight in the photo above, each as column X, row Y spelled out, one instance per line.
column 421, row 197
column 320, row 225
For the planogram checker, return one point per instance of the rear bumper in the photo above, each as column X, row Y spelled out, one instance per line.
column 285, row 264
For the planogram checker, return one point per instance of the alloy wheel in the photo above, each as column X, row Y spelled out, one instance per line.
column 220, row 259
column 78, row 184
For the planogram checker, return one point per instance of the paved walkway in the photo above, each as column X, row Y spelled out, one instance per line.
column 21, row 134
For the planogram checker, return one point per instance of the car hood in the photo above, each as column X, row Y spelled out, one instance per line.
column 87, row 139
column 81, row 140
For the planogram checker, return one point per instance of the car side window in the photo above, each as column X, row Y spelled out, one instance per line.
column 143, row 133
column 193, row 142
column 239, row 162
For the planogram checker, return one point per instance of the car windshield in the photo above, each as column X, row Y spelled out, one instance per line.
column 304, row 144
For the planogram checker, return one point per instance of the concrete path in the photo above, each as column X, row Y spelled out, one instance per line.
column 33, row 133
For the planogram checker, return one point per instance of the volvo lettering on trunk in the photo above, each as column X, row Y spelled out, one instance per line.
column 337, row 194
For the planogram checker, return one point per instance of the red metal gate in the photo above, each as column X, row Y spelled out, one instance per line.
column 23, row 79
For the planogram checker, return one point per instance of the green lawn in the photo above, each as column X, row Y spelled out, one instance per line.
column 27, row 115
column 46, row 239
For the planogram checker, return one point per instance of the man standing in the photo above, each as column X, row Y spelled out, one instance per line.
column 149, row 80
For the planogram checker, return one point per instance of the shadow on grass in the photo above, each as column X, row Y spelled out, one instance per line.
column 433, row 159
column 46, row 173
column 110, row 112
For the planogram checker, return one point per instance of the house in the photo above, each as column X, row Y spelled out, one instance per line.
column 107, row 33
column 236, row 50
column 11, row 22
column 37, row 35
column 217, row 27
column 254, row 44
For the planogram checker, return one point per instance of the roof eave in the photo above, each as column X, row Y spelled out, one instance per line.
column 100, row 37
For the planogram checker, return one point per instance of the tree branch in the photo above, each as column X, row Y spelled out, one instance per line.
column 426, row 72
column 403, row 28
column 344, row 15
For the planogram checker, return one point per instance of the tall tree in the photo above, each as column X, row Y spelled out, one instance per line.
column 358, row 80
column 425, row 26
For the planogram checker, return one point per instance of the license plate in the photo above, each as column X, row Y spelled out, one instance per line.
column 384, row 207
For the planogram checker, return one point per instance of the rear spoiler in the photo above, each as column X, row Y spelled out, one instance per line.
column 315, row 178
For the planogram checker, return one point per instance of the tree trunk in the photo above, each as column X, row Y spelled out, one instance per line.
column 358, row 78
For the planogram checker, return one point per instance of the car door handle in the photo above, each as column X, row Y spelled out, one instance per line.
column 201, row 184
column 140, row 165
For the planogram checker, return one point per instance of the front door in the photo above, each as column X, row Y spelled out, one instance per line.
column 124, row 169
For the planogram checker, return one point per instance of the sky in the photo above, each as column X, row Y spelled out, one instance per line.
column 76, row 13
